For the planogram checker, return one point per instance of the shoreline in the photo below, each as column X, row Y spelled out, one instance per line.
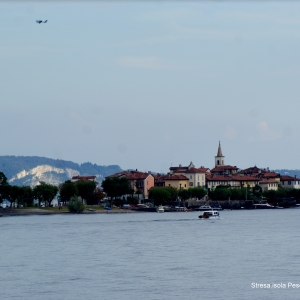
column 13, row 212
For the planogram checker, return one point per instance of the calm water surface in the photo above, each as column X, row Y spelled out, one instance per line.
column 150, row 256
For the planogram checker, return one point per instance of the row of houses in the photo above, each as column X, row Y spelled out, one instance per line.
column 184, row 177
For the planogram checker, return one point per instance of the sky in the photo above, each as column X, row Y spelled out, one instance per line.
column 151, row 84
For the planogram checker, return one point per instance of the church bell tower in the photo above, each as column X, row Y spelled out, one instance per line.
column 219, row 159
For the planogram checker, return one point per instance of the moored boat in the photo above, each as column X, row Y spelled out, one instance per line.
column 263, row 206
column 204, row 208
column 160, row 209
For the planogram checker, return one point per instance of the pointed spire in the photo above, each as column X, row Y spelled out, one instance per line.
column 219, row 150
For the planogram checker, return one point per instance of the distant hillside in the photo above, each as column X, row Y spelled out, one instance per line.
column 289, row 172
column 29, row 170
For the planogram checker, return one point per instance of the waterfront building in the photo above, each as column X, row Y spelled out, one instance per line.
column 196, row 176
column 138, row 180
column 290, row 182
column 235, row 181
column 177, row 181
column 268, row 184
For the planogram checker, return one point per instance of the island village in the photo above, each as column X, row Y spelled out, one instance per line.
column 191, row 176
column 183, row 188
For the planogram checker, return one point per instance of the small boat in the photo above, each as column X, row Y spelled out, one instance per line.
column 160, row 209
column 204, row 207
column 210, row 214
column 263, row 206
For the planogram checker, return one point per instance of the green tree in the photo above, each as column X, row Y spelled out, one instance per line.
column 75, row 206
column 235, row 194
column 257, row 191
column 173, row 193
column 160, row 195
column 198, row 192
column 85, row 189
column 67, row 190
column 13, row 194
column 3, row 187
column 282, row 192
column 3, row 179
column 270, row 195
column 220, row 194
column 26, row 196
column 96, row 198
column 115, row 187
column 185, row 194
column 45, row 192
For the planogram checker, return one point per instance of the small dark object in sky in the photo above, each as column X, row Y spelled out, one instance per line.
column 40, row 21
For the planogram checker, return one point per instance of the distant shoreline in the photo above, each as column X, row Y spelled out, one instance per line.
column 13, row 212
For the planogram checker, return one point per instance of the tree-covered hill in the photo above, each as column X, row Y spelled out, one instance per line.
column 29, row 170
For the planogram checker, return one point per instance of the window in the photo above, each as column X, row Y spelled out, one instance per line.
column 191, row 176
column 289, row 182
column 191, row 184
column 198, row 183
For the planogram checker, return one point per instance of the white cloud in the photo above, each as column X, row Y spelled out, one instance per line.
column 265, row 133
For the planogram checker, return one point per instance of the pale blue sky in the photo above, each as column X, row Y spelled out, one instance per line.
column 149, row 84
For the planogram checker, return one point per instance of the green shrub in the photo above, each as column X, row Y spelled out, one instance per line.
column 75, row 206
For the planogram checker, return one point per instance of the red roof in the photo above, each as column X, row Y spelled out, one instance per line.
column 210, row 177
column 197, row 170
column 132, row 175
column 223, row 168
column 289, row 178
column 176, row 177
column 265, row 180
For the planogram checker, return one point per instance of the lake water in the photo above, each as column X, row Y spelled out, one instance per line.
column 151, row 256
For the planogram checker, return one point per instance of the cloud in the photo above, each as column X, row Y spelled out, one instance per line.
column 265, row 133
column 230, row 133
column 143, row 62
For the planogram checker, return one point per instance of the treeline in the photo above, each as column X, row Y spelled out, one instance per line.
column 226, row 193
column 44, row 193
column 162, row 195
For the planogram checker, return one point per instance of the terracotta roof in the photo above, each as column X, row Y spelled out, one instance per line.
column 289, row 178
column 254, row 169
column 271, row 175
column 131, row 175
column 265, row 180
column 197, row 170
column 211, row 177
column 223, row 168
column 172, row 177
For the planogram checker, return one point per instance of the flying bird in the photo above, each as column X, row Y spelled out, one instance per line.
column 40, row 21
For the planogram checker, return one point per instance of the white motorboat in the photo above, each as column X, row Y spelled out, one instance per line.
column 205, row 207
column 160, row 209
column 210, row 214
